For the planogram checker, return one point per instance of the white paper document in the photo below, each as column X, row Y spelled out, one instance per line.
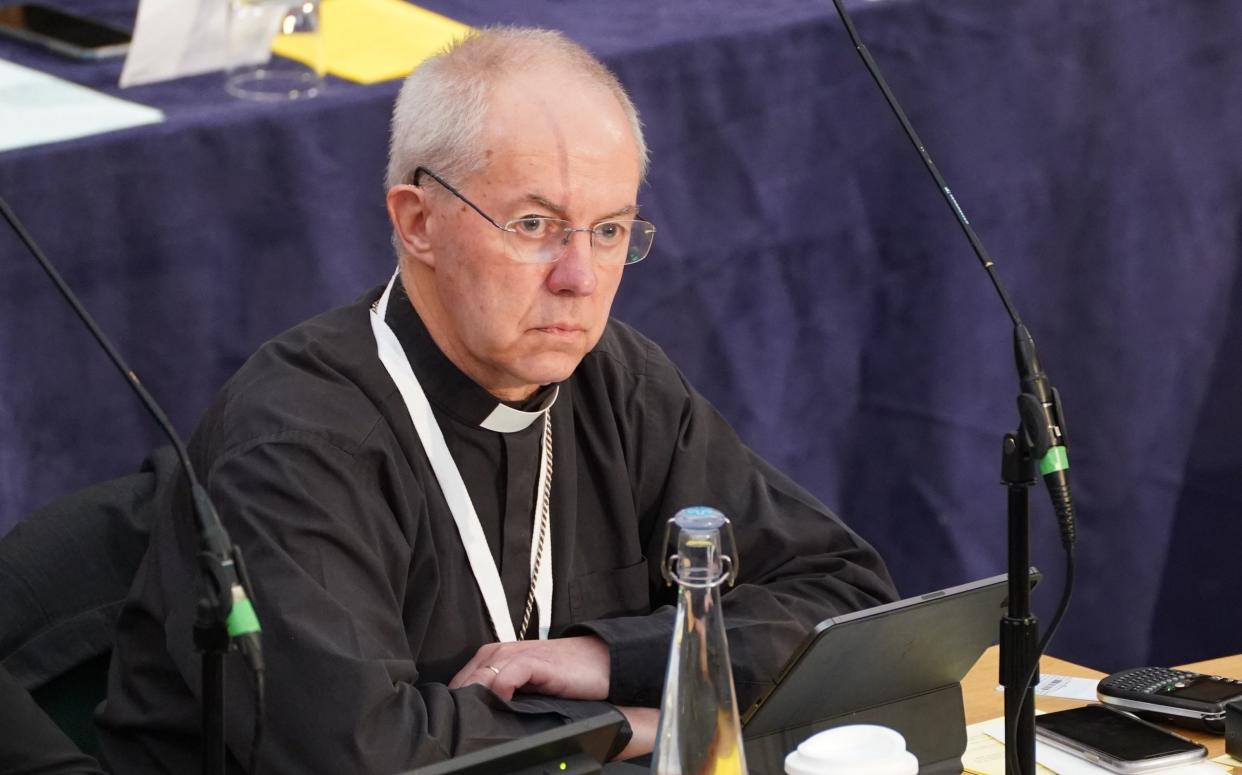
column 178, row 38
column 40, row 108
column 1066, row 687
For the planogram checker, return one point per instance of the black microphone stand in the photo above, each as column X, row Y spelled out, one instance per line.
column 1021, row 454
column 220, row 615
column 212, row 641
column 1019, row 629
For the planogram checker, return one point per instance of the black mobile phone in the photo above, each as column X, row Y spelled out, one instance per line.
column 1178, row 697
column 62, row 32
column 1115, row 740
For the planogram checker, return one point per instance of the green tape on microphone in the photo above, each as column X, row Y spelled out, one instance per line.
column 242, row 619
column 1057, row 459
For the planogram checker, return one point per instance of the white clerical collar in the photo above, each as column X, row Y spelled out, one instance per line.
column 506, row 419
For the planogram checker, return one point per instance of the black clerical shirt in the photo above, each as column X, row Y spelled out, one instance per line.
column 500, row 469
column 366, row 597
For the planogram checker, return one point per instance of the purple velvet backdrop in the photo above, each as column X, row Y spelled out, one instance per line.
column 807, row 277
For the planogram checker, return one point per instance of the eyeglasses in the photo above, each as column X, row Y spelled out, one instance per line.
column 535, row 239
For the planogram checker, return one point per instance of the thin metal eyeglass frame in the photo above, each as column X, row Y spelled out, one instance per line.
column 566, row 233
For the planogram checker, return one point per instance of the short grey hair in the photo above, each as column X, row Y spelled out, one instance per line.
column 439, row 115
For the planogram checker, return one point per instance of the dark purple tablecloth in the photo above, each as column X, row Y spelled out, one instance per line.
column 806, row 276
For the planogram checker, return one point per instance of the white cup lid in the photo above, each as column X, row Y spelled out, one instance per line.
column 858, row 749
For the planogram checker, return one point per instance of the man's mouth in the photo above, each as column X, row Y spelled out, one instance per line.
column 560, row 329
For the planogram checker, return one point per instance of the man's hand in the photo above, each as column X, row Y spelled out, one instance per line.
column 572, row 668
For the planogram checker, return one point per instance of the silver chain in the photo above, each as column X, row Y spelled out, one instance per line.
column 546, row 499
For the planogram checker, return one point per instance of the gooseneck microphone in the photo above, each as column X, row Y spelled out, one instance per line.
column 225, row 615
column 1039, row 443
column 1047, row 424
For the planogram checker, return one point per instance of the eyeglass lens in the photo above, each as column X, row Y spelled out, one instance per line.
column 542, row 240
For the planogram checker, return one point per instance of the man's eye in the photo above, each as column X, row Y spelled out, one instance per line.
column 531, row 227
column 610, row 233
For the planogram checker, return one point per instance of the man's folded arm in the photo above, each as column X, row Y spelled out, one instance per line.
column 335, row 572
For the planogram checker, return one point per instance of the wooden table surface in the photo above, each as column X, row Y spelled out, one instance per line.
column 983, row 702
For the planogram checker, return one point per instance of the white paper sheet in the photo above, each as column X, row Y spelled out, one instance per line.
column 985, row 755
column 40, row 108
column 1065, row 686
column 1068, row 687
column 178, row 38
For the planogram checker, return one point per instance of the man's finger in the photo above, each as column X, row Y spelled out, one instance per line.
column 484, row 676
column 515, row 675
column 575, row 668
column 486, row 655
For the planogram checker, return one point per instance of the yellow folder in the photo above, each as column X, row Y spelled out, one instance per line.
column 373, row 40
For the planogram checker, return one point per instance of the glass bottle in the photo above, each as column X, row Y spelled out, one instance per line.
column 699, row 732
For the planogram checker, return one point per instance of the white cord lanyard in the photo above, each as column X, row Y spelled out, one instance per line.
column 469, row 528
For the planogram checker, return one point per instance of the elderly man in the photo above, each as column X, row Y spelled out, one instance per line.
column 451, row 493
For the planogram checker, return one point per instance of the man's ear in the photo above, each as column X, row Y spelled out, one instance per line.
column 408, row 210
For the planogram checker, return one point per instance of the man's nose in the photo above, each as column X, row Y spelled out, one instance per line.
column 574, row 272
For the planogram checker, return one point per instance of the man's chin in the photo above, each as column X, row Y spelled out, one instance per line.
column 549, row 369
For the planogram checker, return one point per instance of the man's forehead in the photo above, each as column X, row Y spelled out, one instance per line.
column 557, row 141
column 555, row 105
column 604, row 180
column 590, row 169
